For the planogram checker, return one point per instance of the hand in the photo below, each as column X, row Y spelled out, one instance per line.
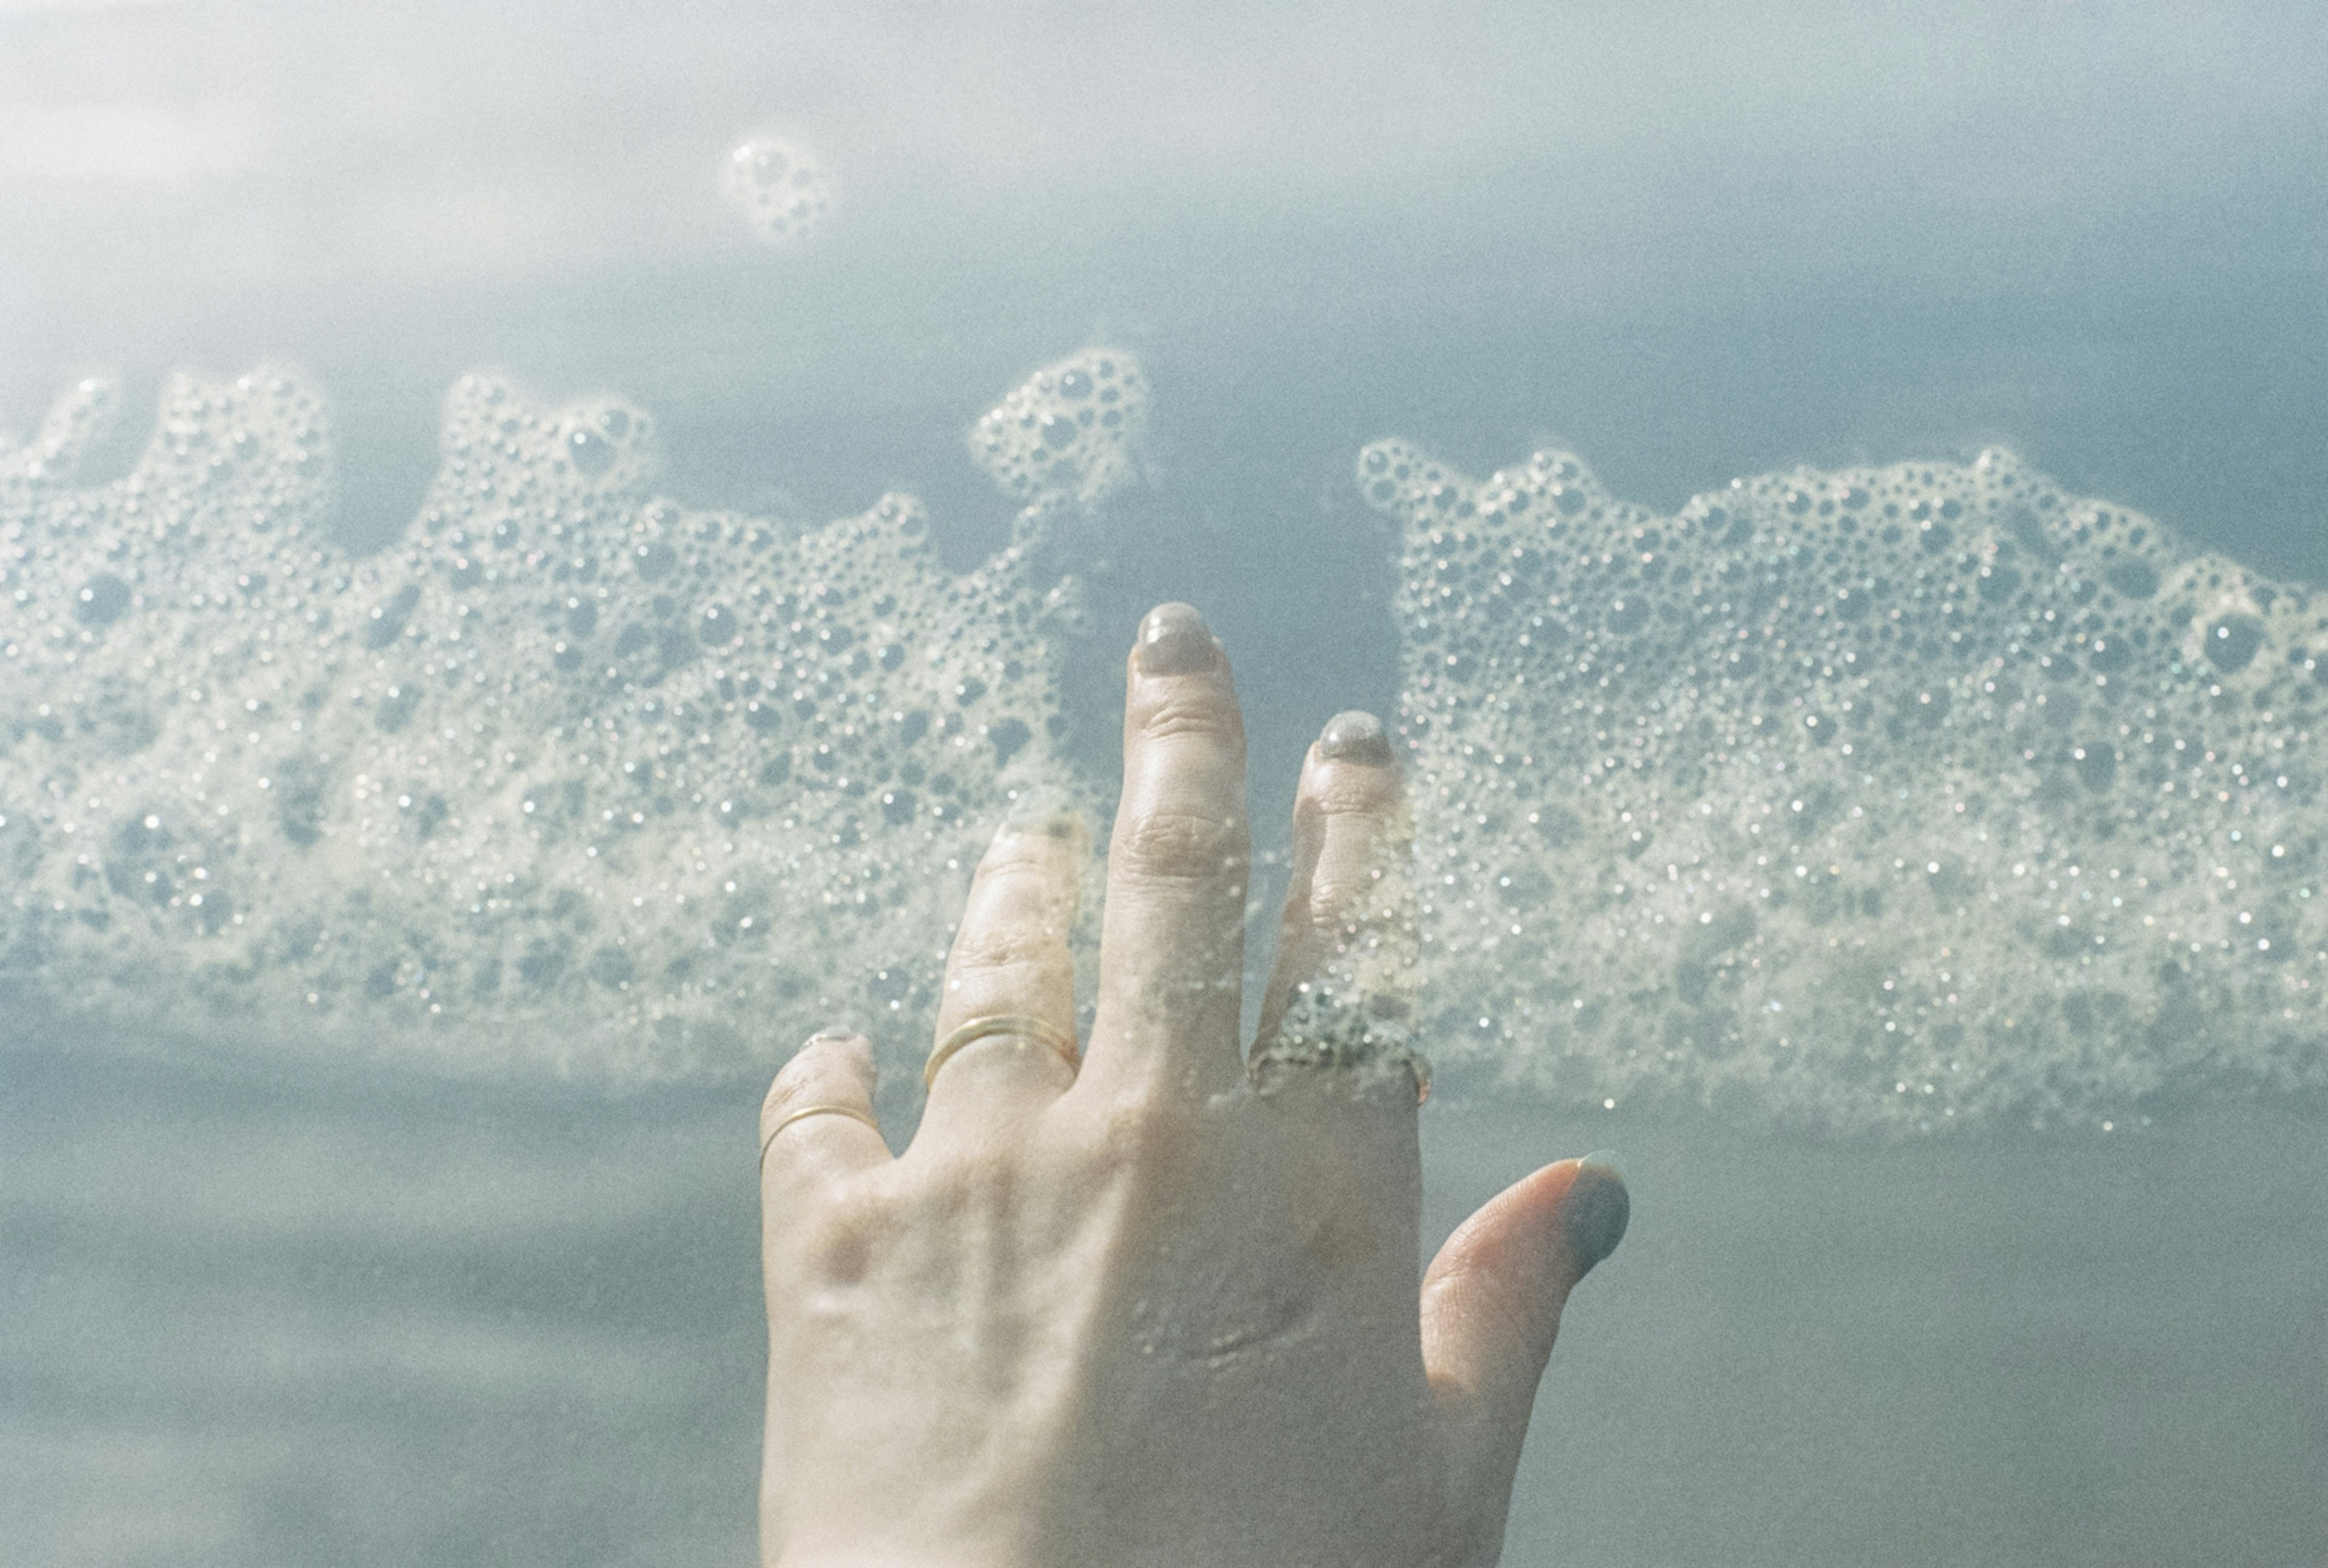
column 1162, row 1309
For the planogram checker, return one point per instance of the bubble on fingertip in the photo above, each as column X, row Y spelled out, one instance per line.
column 1922, row 794
column 1364, row 974
column 1071, row 431
column 781, row 189
column 573, row 778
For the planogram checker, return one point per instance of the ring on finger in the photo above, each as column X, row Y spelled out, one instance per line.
column 1276, row 1056
column 1025, row 1025
column 805, row 1111
column 1318, row 1034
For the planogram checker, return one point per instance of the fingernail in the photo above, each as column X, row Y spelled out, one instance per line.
column 1175, row 641
column 1356, row 737
column 838, row 1035
column 1597, row 1208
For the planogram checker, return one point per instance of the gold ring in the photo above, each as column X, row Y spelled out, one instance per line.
column 978, row 1029
column 851, row 1111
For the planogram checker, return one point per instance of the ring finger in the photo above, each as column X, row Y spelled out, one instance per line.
column 1347, row 935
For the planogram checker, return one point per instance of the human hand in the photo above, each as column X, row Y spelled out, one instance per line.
column 1163, row 1308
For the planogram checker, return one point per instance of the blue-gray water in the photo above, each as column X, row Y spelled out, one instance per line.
column 261, row 1311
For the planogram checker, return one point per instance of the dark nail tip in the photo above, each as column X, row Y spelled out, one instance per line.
column 1175, row 641
column 1597, row 1209
column 1356, row 737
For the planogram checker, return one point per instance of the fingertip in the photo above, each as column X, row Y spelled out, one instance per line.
column 1174, row 640
column 1552, row 1226
column 828, row 1050
column 1179, row 687
column 1352, row 771
column 850, row 1045
column 1595, row 1210
column 1356, row 737
column 1045, row 812
column 1580, row 1208
column 1494, row 1299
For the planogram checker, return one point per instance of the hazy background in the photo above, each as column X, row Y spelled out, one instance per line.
column 249, row 1315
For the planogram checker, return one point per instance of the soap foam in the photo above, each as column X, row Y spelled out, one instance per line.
column 576, row 776
column 1918, row 794
column 1913, row 794
column 782, row 189
column 1070, row 432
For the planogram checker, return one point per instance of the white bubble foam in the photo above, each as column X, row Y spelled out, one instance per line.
column 782, row 190
column 1914, row 795
column 1070, row 432
column 576, row 777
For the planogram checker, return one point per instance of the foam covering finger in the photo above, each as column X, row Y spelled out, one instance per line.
column 1347, row 928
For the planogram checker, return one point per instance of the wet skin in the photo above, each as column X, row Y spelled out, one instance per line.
column 1152, row 1307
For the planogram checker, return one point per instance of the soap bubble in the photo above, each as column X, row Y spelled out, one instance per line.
column 574, row 775
column 1915, row 795
column 1070, row 433
column 782, row 190
column 74, row 422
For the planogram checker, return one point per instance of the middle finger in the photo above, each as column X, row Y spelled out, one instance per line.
column 1172, row 938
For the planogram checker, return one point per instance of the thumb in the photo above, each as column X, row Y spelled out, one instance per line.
column 1491, row 1304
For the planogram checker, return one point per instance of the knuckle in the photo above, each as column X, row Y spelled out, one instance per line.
column 1328, row 910
column 818, row 1069
column 1182, row 844
column 967, row 1187
column 783, row 1091
column 836, row 1243
column 1353, row 791
column 1145, row 1130
column 1022, row 857
column 1337, row 897
column 975, row 1177
column 790, row 1091
column 1198, row 716
column 1006, row 947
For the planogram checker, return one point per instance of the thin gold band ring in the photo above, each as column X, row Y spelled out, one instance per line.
column 1024, row 1025
column 805, row 1111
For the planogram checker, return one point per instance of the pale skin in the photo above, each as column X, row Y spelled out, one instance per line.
column 1143, row 1310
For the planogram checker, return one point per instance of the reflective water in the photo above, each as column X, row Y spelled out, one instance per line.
column 354, row 1276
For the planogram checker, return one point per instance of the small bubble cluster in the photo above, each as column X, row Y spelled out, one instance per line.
column 1918, row 794
column 1071, row 433
column 574, row 775
column 782, row 189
